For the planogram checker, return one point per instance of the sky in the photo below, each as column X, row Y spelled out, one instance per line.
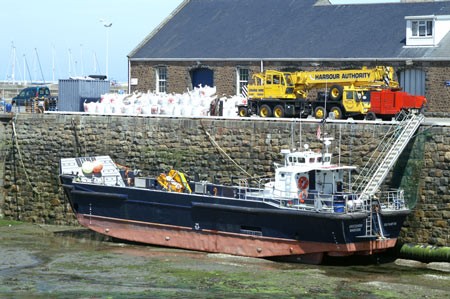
column 57, row 26
column 69, row 33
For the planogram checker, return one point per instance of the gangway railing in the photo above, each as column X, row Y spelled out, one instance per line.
column 391, row 146
column 381, row 162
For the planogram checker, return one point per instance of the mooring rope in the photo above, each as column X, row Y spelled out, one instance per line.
column 223, row 152
column 78, row 146
column 34, row 189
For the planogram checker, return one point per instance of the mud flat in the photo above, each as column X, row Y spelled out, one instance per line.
column 53, row 261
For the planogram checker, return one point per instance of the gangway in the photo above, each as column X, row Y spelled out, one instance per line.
column 381, row 162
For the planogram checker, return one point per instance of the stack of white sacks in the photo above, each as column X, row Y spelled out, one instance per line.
column 191, row 103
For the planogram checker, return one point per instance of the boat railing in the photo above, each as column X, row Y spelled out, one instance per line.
column 315, row 201
column 105, row 179
column 391, row 199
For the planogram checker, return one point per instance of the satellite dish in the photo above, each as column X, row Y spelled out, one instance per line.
column 306, row 146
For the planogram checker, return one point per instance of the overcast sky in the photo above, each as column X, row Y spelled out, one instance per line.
column 56, row 27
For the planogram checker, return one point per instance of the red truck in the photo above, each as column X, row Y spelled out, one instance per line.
column 386, row 103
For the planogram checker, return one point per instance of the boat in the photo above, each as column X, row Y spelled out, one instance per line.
column 308, row 210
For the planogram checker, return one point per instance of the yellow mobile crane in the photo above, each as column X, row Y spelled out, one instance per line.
column 284, row 94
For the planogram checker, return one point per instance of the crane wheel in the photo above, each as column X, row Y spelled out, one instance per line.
column 320, row 112
column 278, row 111
column 336, row 92
column 265, row 111
column 337, row 112
column 243, row 112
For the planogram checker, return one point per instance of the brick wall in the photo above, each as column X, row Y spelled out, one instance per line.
column 437, row 92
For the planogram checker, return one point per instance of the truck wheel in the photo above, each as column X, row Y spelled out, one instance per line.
column 265, row 111
column 337, row 112
column 320, row 112
column 278, row 111
column 243, row 112
column 370, row 116
column 336, row 92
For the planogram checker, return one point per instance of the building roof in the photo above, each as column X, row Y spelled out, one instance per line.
column 288, row 30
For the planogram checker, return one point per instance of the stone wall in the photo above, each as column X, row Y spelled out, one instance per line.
column 31, row 189
column 179, row 75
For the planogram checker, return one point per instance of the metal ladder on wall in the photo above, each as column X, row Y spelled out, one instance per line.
column 377, row 168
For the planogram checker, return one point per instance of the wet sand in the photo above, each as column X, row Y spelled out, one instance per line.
column 42, row 261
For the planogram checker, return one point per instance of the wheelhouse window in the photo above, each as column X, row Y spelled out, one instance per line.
column 422, row 28
column 242, row 79
column 161, row 79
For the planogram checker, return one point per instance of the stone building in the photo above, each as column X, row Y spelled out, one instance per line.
column 223, row 42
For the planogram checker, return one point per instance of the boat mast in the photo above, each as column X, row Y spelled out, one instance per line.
column 53, row 63
column 39, row 62
column 70, row 61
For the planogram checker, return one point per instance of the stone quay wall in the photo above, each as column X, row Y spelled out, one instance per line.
column 31, row 191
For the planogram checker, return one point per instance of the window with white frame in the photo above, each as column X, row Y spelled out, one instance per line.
column 161, row 79
column 242, row 79
column 422, row 28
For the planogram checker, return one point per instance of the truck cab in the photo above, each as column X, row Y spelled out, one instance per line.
column 272, row 85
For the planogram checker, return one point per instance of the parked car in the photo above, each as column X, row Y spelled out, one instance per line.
column 31, row 92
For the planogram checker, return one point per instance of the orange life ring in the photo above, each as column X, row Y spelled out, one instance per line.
column 303, row 195
column 303, row 182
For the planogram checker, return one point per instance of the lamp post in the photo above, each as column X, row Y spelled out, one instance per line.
column 107, row 25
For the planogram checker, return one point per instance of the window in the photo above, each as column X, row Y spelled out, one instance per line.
column 161, row 79
column 276, row 79
column 242, row 79
column 422, row 28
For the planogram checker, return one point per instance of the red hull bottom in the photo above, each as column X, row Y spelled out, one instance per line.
column 223, row 242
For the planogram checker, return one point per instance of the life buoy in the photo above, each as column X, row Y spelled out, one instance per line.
column 303, row 195
column 303, row 182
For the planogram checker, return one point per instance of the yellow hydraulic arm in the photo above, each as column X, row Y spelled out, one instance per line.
column 285, row 85
column 364, row 77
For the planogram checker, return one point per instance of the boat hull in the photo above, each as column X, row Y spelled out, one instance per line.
column 225, row 225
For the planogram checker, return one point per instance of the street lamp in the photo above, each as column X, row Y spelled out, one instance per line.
column 107, row 26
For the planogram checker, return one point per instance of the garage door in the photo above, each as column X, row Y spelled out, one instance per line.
column 413, row 82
